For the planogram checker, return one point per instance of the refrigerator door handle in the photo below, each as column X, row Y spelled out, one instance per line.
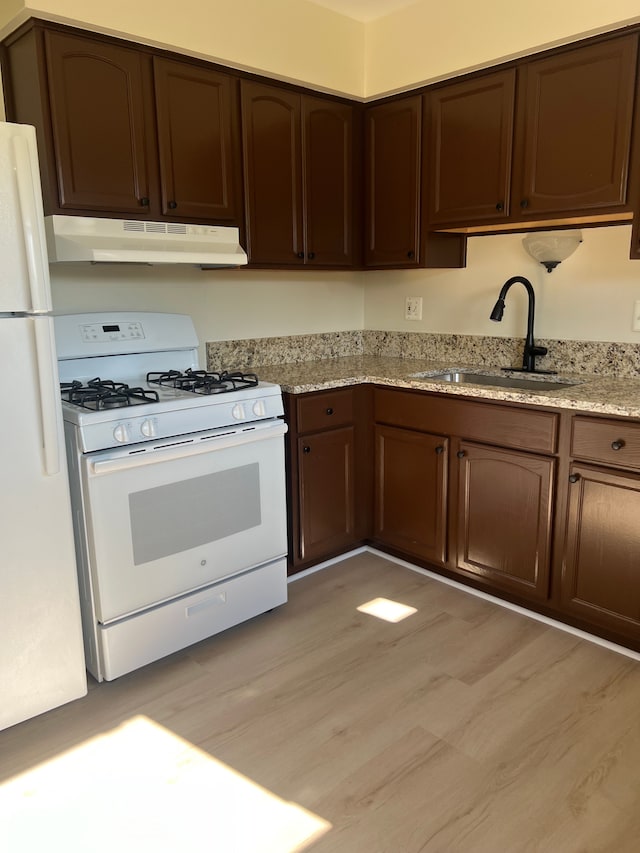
column 28, row 182
column 49, row 400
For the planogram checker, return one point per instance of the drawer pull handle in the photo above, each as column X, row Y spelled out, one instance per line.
column 618, row 444
column 573, row 478
column 461, row 454
column 329, row 411
column 306, row 449
column 439, row 449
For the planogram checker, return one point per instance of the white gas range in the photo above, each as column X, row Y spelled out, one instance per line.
column 177, row 487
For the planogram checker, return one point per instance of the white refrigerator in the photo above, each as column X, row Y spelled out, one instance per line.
column 41, row 649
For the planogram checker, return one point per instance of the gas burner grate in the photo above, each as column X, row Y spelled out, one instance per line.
column 203, row 381
column 99, row 394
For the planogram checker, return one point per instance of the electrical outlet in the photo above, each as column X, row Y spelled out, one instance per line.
column 413, row 308
column 635, row 323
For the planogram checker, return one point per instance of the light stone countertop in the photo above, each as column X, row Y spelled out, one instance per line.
column 598, row 394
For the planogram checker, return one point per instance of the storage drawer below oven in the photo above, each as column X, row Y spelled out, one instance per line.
column 153, row 634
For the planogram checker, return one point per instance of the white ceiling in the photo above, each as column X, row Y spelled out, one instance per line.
column 364, row 10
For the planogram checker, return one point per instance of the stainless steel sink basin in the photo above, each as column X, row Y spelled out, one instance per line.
column 462, row 377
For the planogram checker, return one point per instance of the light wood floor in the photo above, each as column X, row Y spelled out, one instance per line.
column 465, row 727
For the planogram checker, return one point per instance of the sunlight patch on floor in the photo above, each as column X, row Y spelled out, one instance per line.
column 384, row 608
column 141, row 788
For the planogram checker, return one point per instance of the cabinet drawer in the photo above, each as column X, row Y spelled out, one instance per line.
column 611, row 442
column 526, row 429
column 325, row 410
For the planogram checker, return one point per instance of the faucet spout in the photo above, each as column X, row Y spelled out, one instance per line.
column 531, row 351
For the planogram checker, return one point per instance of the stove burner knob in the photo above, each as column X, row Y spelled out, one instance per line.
column 148, row 428
column 238, row 412
column 259, row 409
column 122, row 433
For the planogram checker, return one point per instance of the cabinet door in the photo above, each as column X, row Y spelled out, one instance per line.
column 411, row 491
column 326, row 492
column 272, row 171
column 470, row 132
column 392, row 155
column 198, row 141
column 97, row 117
column 601, row 573
column 575, row 136
column 328, row 180
column 504, row 518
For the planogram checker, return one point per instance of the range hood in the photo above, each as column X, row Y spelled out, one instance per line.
column 82, row 238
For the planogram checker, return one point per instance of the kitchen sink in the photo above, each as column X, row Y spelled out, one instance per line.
column 462, row 377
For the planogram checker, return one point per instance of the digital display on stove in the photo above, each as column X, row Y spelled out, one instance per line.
column 110, row 333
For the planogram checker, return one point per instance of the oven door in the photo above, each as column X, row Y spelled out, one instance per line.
column 167, row 517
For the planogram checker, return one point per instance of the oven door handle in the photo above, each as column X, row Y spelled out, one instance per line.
column 186, row 449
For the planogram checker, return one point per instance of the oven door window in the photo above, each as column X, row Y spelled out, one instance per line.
column 164, row 523
column 176, row 517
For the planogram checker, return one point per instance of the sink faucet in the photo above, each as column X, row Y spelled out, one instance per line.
column 531, row 351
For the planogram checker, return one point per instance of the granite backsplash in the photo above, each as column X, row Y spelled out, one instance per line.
column 601, row 358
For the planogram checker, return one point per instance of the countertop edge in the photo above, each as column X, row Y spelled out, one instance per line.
column 591, row 394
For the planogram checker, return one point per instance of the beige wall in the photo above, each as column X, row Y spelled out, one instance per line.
column 590, row 296
column 289, row 39
column 429, row 41
column 298, row 40
column 225, row 305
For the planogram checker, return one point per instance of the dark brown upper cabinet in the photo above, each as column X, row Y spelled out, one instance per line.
column 96, row 97
column 123, row 132
column 298, row 169
column 393, row 152
column 469, row 134
column 328, row 181
column 571, row 130
column 395, row 225
column 198, row 141
column 575, row 136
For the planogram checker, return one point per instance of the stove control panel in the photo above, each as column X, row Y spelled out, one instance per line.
column 173, row 416
column 100, row 332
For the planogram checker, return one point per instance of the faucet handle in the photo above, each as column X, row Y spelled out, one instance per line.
column 536, row 350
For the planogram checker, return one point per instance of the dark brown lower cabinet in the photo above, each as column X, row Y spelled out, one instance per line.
column 472, row 489
column 411, row 491
column 601, row 570
column 504, row 518
column 467, row 487
column 326, row 463
column 329, row 473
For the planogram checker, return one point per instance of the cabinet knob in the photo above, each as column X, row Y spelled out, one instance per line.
column 410, row 253
column 500, row 206
column 144, row 201
column 311, row 255
column 172, row 205
column 618, row 444
column 573, row 478
column 329, row 410
column 439, row 449
column 300, row 255
column 524, row 203
column 461, row 454
column 306, row 449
